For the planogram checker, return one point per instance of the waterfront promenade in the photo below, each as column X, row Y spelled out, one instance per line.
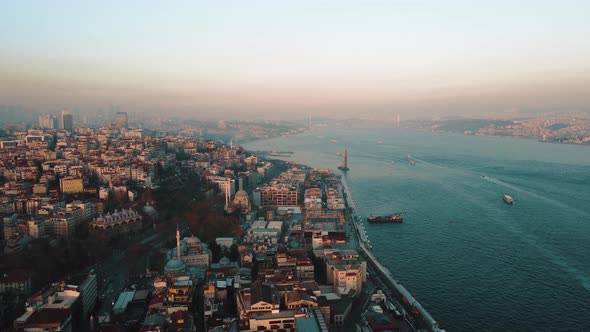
column 414, row 313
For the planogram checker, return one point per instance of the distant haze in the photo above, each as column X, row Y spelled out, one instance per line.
column 293, row 58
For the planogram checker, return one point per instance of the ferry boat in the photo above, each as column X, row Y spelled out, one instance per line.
column 393, row 219
column 508, row 199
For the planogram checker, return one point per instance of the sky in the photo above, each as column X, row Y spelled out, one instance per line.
column 294, row 58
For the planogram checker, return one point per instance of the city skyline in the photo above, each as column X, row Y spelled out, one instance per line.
column 263, row 59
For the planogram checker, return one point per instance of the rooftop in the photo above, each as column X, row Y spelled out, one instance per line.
column 49, row 317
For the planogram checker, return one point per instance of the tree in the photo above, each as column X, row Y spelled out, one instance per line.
column 234, row 253
column 216, row 251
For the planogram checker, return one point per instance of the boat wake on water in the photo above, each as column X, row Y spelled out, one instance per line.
column 535, row 195
column 533, row 241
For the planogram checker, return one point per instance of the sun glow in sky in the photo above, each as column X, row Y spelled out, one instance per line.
column 297, row 57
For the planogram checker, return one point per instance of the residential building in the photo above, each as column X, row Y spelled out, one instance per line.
column 17, row 281
column 36, row 228
column 71, row 185
column 279, row 194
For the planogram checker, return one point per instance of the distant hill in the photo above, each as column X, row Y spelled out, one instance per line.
column 462, row 125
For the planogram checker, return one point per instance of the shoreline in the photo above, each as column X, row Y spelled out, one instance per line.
column 386, row 278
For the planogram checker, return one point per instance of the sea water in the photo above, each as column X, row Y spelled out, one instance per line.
column 473, row 261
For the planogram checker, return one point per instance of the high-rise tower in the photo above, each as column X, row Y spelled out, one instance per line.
column 47, row 121
column 66, row 121
column 121, row 120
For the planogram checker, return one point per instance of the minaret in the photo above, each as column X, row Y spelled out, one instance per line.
column 227, row 196
column 177, row 243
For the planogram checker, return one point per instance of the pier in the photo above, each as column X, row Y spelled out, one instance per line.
column 413, row 311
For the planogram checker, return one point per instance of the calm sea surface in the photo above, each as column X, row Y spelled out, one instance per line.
column 475, row 262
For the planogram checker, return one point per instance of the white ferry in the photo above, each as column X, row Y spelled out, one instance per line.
column 508, row 199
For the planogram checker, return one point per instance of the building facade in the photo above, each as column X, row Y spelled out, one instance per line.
column 71, row 185
column 121, row 120
column 66, row 121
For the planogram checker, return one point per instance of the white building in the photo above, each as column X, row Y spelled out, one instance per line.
column 36, row 228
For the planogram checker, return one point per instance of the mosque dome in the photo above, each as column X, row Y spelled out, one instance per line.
column 192, row 240
column 174, row 265
column 149, row 209
column 224, row 261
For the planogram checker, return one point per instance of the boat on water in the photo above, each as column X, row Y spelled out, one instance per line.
column 508, row 199
column 390, row 219
column 412, row 162
column 332, row 141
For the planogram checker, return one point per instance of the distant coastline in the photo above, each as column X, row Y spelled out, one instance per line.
column 562, row 129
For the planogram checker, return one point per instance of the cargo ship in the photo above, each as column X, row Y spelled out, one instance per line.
column 393, row 219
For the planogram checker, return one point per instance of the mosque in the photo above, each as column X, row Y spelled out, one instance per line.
column 190, row 256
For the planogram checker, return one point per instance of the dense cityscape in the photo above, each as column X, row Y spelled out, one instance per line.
column 309, row 166
column 125, row 229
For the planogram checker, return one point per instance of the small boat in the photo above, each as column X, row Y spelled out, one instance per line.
column 333, row 141
column 508, row 199
column 412, row 162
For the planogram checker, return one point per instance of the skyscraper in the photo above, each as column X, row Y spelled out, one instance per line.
column 121, row 120
column 47, row 121
column 66, row 121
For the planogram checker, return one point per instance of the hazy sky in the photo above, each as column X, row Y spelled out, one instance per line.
column 296, row 57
